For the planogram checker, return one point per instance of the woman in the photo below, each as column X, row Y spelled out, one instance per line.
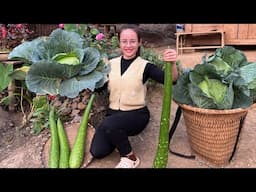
column 128, row 114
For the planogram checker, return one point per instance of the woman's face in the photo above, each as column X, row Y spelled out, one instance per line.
column 129, row 43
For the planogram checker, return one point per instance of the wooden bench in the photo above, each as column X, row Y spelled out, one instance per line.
column 181, row 37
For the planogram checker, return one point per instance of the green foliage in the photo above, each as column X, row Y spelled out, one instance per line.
column 66, row 58
column 5, row 70
column 40, row 114
column 233, row 57
column 81, row 29
column 47, row 76
column 214, row 89
column 94, row 38
column 152, row 56
column 19, row 73
column 64, row 63
column 220, row 65
column 114, row 42
column 224, row 80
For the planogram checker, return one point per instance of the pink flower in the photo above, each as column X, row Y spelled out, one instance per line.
column 19, row 26
column 100, row 36
column 11, row 35
column 4, row 32
column 61, row 26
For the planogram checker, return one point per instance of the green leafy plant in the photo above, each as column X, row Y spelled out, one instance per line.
column 17, row 91
column 81, row 29
column 62, row 64
column 40, row 113
column 224, row 80
column 152, row 56
column 95, row 38
column 5, row 80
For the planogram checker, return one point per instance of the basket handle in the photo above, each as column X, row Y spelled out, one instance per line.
column 171, row 132
column 237, row 138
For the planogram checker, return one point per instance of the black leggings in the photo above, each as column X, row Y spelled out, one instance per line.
column 115, row 129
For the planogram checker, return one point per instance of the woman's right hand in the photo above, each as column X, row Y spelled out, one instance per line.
column 170, row 55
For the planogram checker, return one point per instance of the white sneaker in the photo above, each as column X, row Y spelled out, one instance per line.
column 128, row 163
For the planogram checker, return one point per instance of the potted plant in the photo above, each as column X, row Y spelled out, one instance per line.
column 215, row 97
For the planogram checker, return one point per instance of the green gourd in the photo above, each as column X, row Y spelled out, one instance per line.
column 161, row 158
column 78, row 150
column 64, row 145
column 54, row 146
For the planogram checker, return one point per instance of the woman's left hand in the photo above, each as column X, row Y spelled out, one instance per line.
column 170, row 55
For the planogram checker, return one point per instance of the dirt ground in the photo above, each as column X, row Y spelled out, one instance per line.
column 20, row 149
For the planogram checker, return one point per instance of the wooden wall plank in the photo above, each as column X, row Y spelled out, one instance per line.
column 206, row 27
column 252, row 31
column 242, row 31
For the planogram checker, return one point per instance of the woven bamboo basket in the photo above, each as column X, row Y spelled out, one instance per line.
column 213, row 134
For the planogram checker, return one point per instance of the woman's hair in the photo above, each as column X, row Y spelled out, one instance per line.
column 136, row 29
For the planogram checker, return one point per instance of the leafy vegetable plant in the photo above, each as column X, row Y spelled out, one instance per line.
column 224, row 80
column 62, row 64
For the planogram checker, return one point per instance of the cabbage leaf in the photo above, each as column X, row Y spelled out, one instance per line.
column 224, row 80
column 62, row 64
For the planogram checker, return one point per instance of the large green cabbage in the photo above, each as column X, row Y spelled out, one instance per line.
column 62, row 64
column 225, row 80
column 214, row 89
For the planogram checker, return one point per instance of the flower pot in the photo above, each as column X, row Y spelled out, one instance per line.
column 213, row 134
